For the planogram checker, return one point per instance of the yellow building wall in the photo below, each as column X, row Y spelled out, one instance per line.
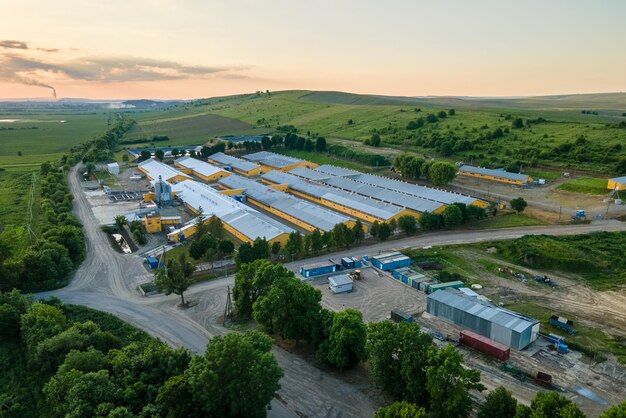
column 480, row 204
column 613, row 185
column 280, row 187
column 170, row 221
column 494, row 178
column 147, row 197
column 230, row 192
column 152, row 224
column 282, row 238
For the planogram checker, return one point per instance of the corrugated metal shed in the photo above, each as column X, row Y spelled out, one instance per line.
column 155, row 169
column 234, row 162
column 272, row 159
column 371, row 207
column 314, row 215
column 199, row 166
column 493, row 173
column 251, row 223
column 504, row 326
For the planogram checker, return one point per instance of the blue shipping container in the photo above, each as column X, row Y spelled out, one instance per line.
column 153, row 262
column 317, row 269
column 405, row 280
column 415, row 285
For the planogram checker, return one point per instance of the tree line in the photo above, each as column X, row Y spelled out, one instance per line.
column 69, row 366
column 412, row 167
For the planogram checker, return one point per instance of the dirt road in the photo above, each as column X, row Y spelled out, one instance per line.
column 107, row 281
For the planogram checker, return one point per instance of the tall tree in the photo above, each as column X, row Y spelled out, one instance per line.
column 294, row 244
column 553, row 404
column 261, row 248
column 498, row 403
column 320, row 144
column 176, row 278
column 452, row 216
column 375, row 229
column 237, row 377
column 518, row 204
column 266, row 143
column 345, row 346
column 12, row 306
column 384, row 231
column 317, row 241
column 358, row 231
column 253, row 280
column 159, row 154
column 449, row 384
column 215, row 227
column 440, row 173
column 401, row 410
column 408, row 224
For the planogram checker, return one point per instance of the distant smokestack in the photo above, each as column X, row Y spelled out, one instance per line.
column 54, row 92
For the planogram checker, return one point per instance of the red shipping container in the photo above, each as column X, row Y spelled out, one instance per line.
column 485, row 345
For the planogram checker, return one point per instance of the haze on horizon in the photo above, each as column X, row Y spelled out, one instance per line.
column 191, row 48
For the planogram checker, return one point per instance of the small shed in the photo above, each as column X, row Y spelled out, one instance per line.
column 113, row 168
column 340, row 283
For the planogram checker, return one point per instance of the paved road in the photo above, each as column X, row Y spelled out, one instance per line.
column 107, row 281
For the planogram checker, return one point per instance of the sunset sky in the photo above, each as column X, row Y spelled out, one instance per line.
column 200, row 48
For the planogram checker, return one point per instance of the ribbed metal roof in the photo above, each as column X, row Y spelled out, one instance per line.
column 337, row 171
column 339, row 280
column 312, row 214
column 234, row 162
column 619, row 179
column 272, row 159
column 360, row 203
column 494, row 172
column 154, row 169
column 481, row 309
column 199, row 166
column 310, row 174
column 250, row 222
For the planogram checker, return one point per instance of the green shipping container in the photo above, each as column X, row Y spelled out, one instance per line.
column 439, row 286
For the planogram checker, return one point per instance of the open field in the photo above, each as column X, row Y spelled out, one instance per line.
column 587, row 185
column 15, row 186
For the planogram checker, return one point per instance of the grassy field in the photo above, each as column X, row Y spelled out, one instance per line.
column 15, row 186
column 187, row 129
column 508, row 220
column 594, row 141
column 587, row 185
column 587, row 339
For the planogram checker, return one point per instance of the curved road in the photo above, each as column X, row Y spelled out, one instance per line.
column 107, row 281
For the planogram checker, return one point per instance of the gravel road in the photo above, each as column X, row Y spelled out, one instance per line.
column 107, row 281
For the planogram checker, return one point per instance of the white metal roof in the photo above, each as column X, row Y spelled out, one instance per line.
column 317, row 216
column 272, row 159
column 199, row 166
column 309, row 174
column 363, row 204
column 337, row 171
column 494, row 172
column 234, row 162
column 619, row 179
column 249, row 222
column 154, row 169
column 339, row 280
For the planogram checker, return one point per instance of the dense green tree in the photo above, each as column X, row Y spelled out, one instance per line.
column 87, row 361
column 408, row 224
column 12, row 306
column 320, row 144
column 518, row 204
column 345, row 346
column 375, row 140
column 401, row 410
column 176, row 278
column 300, row 143
column 294, row 244
column 432, row 118
column 553, row 405
column 452, row 216
column 200, row 245
column 451, row 112
column 253, row 280
column 145, row 155
column 41, row 322
column 343, row 236
column 517, row 123
column 442, row 114
column 317, row 241
column 309, row 146
column 215, row 227
column 440, row 173
column 120, row 221
column 261, row 249
column 449, row 383
column 266, row 142
column 358, row 231
column 202, row 227
column 90, row 167
column 409, row 165
column 290, row 308
column 384, row 231
column 616, row 411
column 237, row 377
column 159, row 154
column 275, row 247
column 226, row 247
column 399, row 356
column 393, row 225
column 498, row 403
column 48, row 264
column 375, row 228
column 245, row 254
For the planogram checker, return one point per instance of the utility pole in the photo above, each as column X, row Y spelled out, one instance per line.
column 228, row 310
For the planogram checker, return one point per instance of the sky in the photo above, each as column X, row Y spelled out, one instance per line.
column 182, row 49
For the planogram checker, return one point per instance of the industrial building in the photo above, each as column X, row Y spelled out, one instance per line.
column 417, row 204
column 364, row 208
column 242, row 221
column 501, row 325
column 113, row 168
column 444, row 197
column 273, row 161
column 617, row 183
column 340, row 283
column 390, row 261
column 237, row 165
column 155, row 170
column 204, row 171
column 298, row 211
column 495, row 175
column 154, row 222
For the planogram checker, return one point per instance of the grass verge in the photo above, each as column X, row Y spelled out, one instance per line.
column 507, row 220
column 586, row 185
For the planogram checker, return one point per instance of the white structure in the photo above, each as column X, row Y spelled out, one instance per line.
column 113, row 168
column 156, row 170
column 340, row 283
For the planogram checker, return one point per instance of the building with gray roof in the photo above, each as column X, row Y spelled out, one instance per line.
column 501, row 325
column 495, row 174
